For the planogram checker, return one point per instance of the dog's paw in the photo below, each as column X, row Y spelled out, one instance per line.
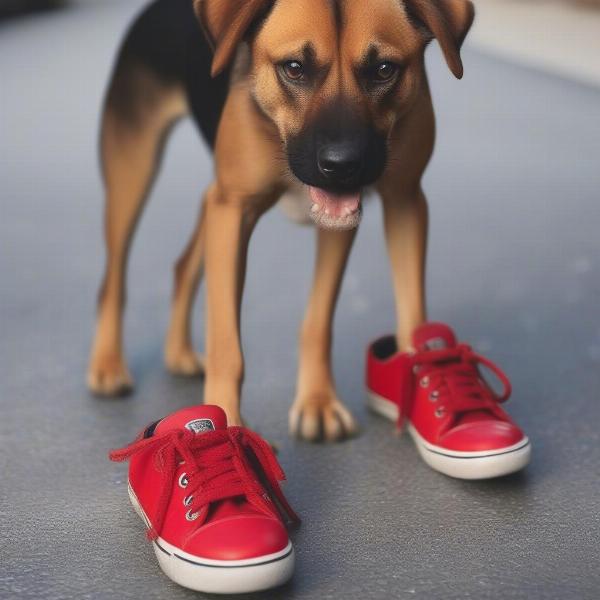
column 109, row 376
column 321, row 418
column 184, row 362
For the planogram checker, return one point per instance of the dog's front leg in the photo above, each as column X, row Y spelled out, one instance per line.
column 317, row 413
column 406, row 221
column 230, row 220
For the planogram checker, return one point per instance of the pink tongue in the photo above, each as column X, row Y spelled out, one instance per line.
column 198, row 419
column 336, row 205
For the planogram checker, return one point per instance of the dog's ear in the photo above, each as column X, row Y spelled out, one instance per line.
column 225, row 22
column 448, row 21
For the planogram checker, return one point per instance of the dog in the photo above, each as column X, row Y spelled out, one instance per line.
column 320, row 99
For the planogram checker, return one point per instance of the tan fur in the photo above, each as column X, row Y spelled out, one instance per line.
column 180, row 356
column 251, row 175
column 131, row 149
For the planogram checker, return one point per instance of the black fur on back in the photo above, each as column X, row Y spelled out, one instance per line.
column 166, row 38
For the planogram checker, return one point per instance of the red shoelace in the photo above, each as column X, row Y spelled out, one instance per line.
column 456, row 384
column 217, row 466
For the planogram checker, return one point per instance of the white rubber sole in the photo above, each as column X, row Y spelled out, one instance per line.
column 462, row 465
column 220, row 576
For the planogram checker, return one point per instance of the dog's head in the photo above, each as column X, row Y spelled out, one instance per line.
column 335, row 76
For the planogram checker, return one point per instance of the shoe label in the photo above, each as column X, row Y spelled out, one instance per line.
column 200, row 425
column 437, row 343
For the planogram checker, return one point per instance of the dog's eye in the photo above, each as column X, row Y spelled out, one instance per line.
column 293, row 70
column 385, row 71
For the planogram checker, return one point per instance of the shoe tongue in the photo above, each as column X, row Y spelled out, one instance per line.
column 433, row 336
column 198, row 419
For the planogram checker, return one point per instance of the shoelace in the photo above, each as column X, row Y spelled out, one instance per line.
column 217, row 467
column 453, row 376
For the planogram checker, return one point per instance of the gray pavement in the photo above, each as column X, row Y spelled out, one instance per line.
column 514, row 266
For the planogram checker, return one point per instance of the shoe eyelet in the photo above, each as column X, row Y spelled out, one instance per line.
column 190, row 516
column 440, row 412
column 183, row 480
column 434, row 395
column 188, row 500
column 424, row 381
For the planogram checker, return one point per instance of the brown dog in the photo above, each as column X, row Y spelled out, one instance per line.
column 324, row 96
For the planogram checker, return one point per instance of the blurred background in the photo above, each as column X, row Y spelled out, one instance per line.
column 514, row 266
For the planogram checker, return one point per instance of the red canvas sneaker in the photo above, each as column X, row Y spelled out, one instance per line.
column 452, row 414
column 210, row 497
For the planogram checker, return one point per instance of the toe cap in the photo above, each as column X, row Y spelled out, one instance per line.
column 481, row 436
column 239, row 538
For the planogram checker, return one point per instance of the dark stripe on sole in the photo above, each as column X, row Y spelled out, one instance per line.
column 267, row 562
column 161, row 548
column 481, row 456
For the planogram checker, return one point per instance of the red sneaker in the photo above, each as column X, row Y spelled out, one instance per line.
column 210, row 497
column 453, row 415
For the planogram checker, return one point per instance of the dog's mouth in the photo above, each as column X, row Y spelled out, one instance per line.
column 335, row 211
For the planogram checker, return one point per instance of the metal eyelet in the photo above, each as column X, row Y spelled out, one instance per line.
column 434, row 395
column 440, row 412
column 183, row 480
column 424, row 381
column 190, row 516
column 188, row 500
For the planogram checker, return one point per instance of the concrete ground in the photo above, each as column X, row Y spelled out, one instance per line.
column 557, row 36
column 514, row 266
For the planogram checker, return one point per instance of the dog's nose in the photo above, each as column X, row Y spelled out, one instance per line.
column 339, row 162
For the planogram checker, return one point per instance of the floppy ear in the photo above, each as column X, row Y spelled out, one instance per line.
column 225, row 22
column 448, row 21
